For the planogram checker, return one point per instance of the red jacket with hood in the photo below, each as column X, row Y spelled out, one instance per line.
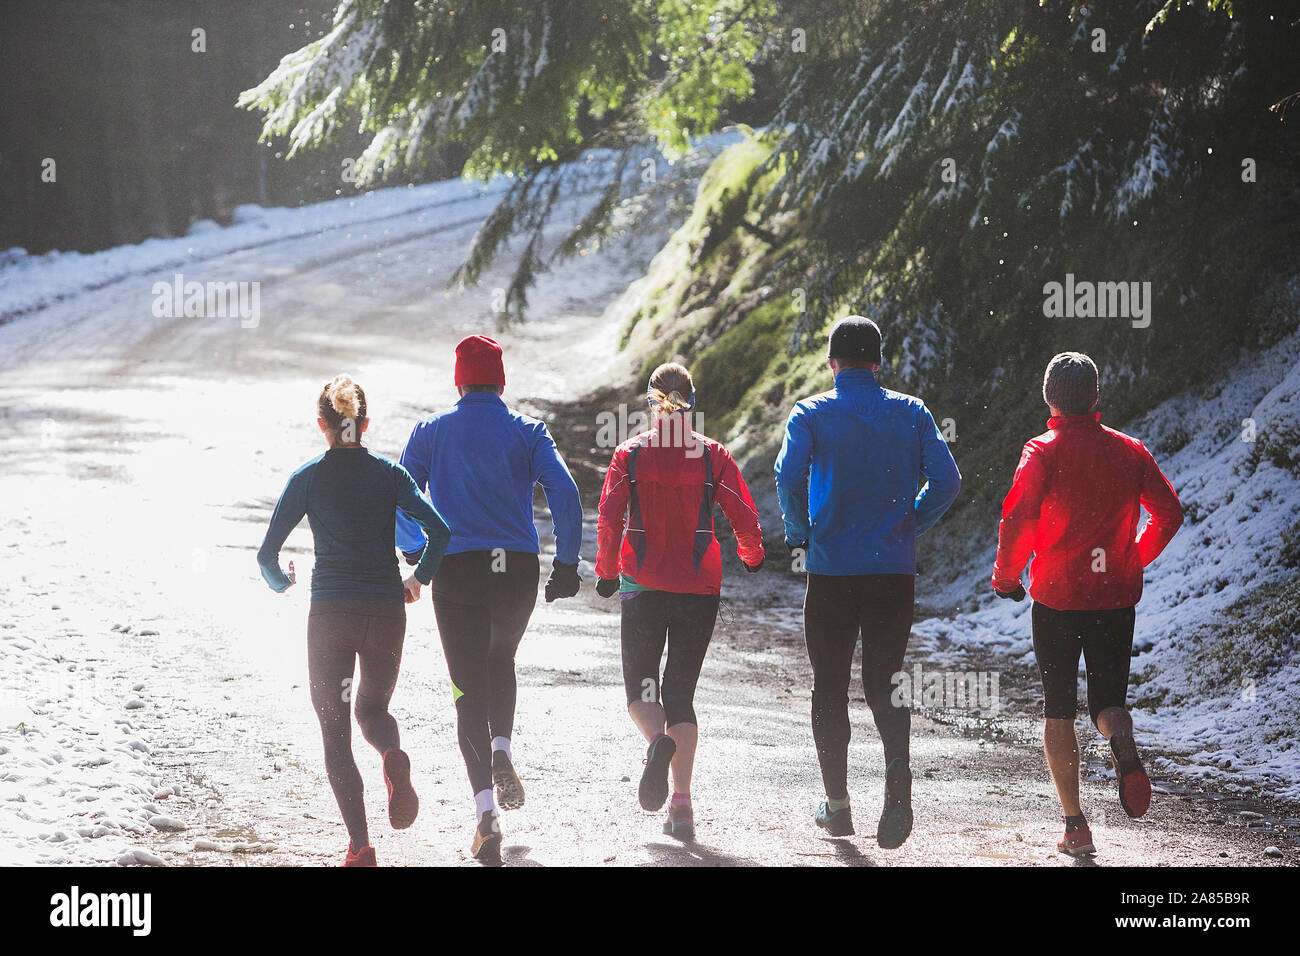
column 1075, row 504
column 655, row 521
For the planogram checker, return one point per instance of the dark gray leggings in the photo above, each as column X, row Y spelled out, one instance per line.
column 482, row 601
column 839, row 611
column 651, row 619
column 338, row 633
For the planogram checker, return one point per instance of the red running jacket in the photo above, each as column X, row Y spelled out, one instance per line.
column 1075, row 504
column 655, row 521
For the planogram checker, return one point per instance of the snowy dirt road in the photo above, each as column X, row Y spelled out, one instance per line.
column 153, row 702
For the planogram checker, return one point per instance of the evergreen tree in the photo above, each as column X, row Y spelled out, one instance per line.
column 906, row 131
column 523, row 88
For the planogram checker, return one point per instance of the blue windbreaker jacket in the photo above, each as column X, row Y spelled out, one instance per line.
column 479, row 461
column 862, row 471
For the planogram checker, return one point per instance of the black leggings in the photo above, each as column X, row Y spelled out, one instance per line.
column 482, row 601
column 1106, row 640
column 837, row 609
column 651, row 619
column 339, row 632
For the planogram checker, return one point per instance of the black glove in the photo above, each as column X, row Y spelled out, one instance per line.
column 751, row 568
column 1017, row 595
column 563, row 582
column 413, row 557
column 792, row 548
column 606, row 587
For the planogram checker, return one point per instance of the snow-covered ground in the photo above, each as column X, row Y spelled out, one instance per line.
column 1246, row 731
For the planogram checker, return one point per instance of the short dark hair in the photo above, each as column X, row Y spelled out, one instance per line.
column 483, row 388
column 1070, row 383
column 855, row 342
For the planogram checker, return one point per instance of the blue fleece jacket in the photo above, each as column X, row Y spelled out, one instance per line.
column 862, row 471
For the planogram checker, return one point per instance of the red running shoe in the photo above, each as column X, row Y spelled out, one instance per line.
column 1077, row 842
column 363, row 857
column 403, row 804
column 1134, row 784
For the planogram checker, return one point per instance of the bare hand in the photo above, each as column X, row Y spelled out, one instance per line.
column 412, row 588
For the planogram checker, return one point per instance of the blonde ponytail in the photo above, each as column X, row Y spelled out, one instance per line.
column 345, row 396
column 341, row 400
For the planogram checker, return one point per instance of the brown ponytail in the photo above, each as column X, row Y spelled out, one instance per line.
column 671, row 389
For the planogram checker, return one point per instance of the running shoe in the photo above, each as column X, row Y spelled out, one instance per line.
column 653, row 790
column 896, row 818
column 1077, row 842
column 403, row 804
column 838, row 823
column 510, row 792
column 363, row 857
column 487, row 840
column 680, row 823
column 1134, row 784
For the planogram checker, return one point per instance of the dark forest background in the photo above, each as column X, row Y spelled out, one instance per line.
column 145, row 132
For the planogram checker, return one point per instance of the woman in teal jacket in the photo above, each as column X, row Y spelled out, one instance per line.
column 358, row 599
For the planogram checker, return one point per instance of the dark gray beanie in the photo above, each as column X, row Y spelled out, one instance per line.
column 1070, row 383
column 855, row 338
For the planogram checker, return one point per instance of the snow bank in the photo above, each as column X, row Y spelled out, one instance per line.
column 32, row 282
column 28, row 283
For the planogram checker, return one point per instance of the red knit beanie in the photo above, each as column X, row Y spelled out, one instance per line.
column 478, row 362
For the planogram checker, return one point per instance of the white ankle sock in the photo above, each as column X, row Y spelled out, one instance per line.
column 483, row 802
column 502, row 743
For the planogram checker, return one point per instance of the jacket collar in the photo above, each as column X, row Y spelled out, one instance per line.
column 855, row 378
column 481, row 398
column 1074, row 421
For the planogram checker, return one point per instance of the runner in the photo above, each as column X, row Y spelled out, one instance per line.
column 847, row 478
column 656, row 527
column 357, row 599
column 1075, row 505
column 481, row 461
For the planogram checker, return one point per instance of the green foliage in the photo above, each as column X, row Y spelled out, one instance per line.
column 1172, row 6
column 520, row 88
column 1048, row 137
column 707, row 49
